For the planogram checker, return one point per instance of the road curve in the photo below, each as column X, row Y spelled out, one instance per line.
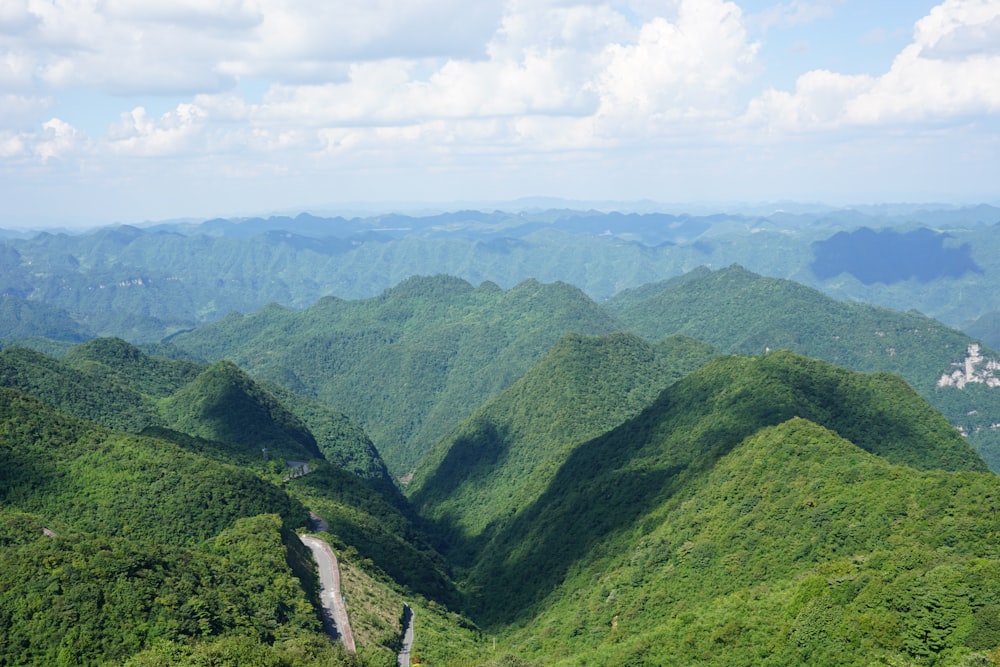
column 334, row 611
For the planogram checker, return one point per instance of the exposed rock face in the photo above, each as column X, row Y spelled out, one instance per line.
column 974, row 368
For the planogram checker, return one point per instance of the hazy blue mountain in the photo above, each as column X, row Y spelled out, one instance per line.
column 144, row 283
column 21, row 318
column 888, row 256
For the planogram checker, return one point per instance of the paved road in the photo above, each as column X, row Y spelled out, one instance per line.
column 404, row 653
column 334, row 611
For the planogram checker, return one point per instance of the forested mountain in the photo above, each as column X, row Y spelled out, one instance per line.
column 621, row 502
column 111, row 382
column 795, row 548
column 673, row 521
column 744, row 313
column 224, row 404
column 21, row 318
column 593, row 482
column 166, row 547
column 411, row 363
column 504, row 456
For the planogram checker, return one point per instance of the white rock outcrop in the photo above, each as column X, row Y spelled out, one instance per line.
column 974, row 368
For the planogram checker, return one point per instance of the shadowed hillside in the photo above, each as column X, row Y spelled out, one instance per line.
column 608, row 487
column 743, row 313
column 500, row 459
column 410, row 364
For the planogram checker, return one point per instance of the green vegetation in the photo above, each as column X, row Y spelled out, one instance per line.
column 165, row 547
column 407, row 365
column 20, row 318
column 110, row 483
column 75, row 600
column 504, row 456
column 224, row 404
column 341, row 441
column 795, row 548
column 607, row 486
column 374, row 521
column 743, row 313
column 581, row 496
column 152, row 375
column 94, row 396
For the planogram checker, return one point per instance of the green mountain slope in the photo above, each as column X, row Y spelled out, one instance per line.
column 224, row 404
column 341, row 441
column 161, row 543
column 501, row 459
column 77, row 599
column 797, row 547
column 410, row 364
column 104, row 482
column 609, row 486
column 151, row 375
column 743, row 313
column 88, row 393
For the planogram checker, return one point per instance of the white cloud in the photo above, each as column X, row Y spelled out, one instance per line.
column 951, row 69
column 11, row 145
column 175, row 132
column 278, row 86
column 59, row 140
column 685, row 69
column 16, row 71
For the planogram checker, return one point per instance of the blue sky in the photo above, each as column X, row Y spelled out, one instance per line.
column 129, row 110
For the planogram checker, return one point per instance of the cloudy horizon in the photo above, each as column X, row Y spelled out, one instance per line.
column 126, row 110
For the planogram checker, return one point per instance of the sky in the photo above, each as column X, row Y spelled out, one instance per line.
column 132, row 110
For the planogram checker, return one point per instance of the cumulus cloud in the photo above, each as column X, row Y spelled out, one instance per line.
column 678, row 69
column 950, row 69
column 59, row 139
column 175, row 132
column 452, row 78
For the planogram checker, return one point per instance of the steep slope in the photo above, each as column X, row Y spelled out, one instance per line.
column 79, row 599
column 224, row 404
column 112, row 382
column 410, row 364
column 375, row 523
column 95, row 396
column 609, row 486
column 149, row 520
column 128, row 365
column 743, row 313
column 103, row 482
column 342, row 442
column 796, row 547
column 505, row 454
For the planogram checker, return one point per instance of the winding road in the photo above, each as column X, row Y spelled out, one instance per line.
column 334, row 611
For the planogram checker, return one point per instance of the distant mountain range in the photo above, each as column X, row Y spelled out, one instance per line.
column 144, row 283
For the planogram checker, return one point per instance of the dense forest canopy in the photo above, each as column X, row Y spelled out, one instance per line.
column 668, row 461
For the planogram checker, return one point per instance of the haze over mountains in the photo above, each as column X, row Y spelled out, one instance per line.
column 560, row 437
column 144, row 283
